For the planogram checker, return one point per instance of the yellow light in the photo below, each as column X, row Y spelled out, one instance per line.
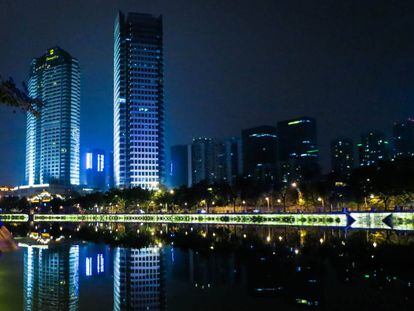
column 268, row 238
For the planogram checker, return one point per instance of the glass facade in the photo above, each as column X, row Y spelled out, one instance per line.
column 52, row 139
column 138, row 101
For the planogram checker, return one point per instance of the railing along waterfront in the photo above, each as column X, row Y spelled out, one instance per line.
column 352, row 220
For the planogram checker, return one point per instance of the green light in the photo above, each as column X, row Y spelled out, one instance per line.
column 314, row 220
column 14, row 217
column 294, row 122
column 313, row 151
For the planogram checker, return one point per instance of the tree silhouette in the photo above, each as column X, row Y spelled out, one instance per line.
column 12, row 96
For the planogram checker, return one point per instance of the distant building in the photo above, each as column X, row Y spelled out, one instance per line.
column 95, row 169
column 298, row 149
column 202, row 160
column 139, row 279
column 138, row 101
column 228, row 163
column 373, row 148
column 403, row 138
column 342, row 157
column 52, row 139
column 259, row 152
column 180, row 167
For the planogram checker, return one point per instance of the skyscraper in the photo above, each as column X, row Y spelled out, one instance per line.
column 138, row 101
column 373, row 148
column 259, row 147
column 52, row 139
column 342, row 157
column 202, row 160
column 95, row 169
column 228, row 160
column 403, row 138
column 298, row 149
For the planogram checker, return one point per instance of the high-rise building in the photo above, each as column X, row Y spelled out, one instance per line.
column 95, row 169
column 373, row 148
column 180, row 168
column 259, row 152
column 138, row 101
column 202, row 160
column 298, row 149
column 403, row 138
column 342, row 157
column 51, row 277
column 139, row 279
column 52, row 138
column 228, row 160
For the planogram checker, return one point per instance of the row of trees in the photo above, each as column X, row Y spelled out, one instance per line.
column 382, row 187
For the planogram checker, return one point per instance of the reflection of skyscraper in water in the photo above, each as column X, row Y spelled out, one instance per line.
column 138, row 279
column 51, row 278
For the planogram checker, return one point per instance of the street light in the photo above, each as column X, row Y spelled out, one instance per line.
column 268, row 203
column 322, row 201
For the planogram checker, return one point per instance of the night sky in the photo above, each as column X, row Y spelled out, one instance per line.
column 228, row 65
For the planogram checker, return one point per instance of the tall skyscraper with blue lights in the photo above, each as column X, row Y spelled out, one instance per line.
column 138, row 101
column 52, row 139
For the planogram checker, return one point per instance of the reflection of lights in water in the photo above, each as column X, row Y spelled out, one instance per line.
column 88, row 266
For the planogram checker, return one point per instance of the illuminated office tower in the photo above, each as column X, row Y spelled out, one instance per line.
column 138, row 101
column 95, row 169
column 138, row 279
column 51, row 278
column 52, row 138
column 373, row 148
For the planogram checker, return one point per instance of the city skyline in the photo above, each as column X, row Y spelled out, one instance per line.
column 379, row 100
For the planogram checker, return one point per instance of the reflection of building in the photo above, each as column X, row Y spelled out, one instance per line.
column 95, row 261
column 180, row 168
column 373, row 148
column 95, row 169
column 138, row 279
column 53, row 138
column 138, row 101
column 403, row 137
column 51, row 278
column 260, row 152
column 342, row 157
column 298, row 149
